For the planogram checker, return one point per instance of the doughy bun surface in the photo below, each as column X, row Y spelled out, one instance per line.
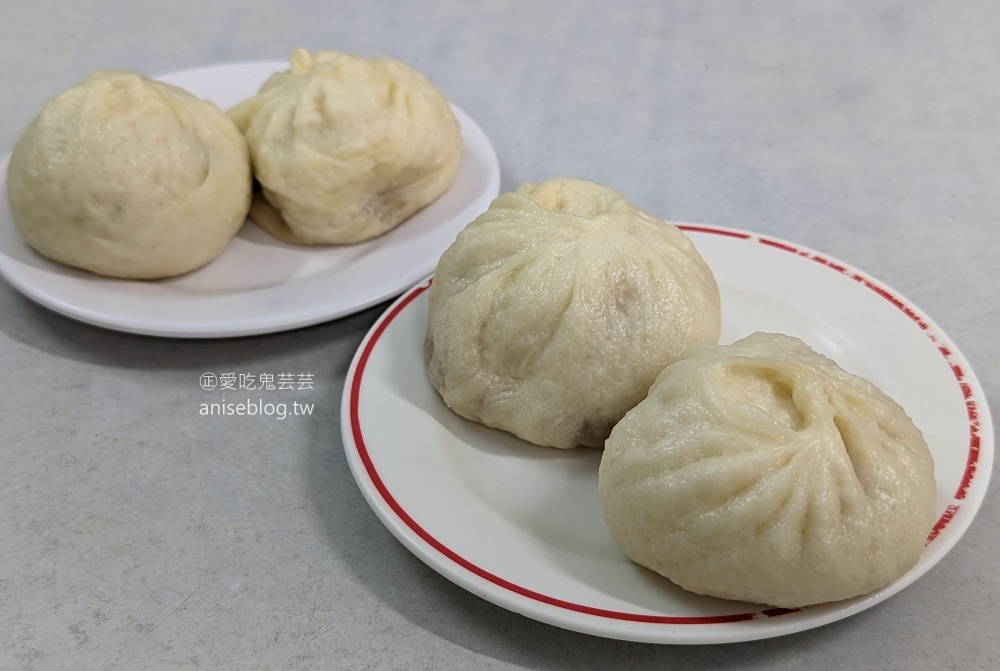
column 129, row 177
column 761, row 471
column 553, row 312
column 347, row 148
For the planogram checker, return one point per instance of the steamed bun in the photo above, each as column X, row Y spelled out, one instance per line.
column 347, row 148
column 552, row 313
column 761, row 471
column 129, row 177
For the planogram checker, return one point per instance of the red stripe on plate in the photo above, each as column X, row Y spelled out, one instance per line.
column 778, row 245
column 942, row 522
column 715, row 231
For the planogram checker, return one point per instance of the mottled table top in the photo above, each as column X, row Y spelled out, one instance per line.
column 136, row 532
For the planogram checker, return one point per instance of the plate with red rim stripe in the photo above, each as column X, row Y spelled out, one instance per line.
column 521, row 526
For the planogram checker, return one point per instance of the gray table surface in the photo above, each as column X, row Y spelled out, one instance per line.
column 135, row 533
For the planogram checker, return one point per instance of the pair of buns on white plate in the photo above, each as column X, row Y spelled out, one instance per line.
column 134, row 178
column 758, row 470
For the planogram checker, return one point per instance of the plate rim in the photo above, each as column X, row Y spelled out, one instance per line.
column 765, row 622
column 245, row 325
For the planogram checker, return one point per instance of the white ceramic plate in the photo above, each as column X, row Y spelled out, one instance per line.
column 259, row 285
column 521, row 525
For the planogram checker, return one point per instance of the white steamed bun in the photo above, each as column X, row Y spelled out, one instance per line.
column 553, row 312
column 129, row 177
column 347, row 148
column 761, row 471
